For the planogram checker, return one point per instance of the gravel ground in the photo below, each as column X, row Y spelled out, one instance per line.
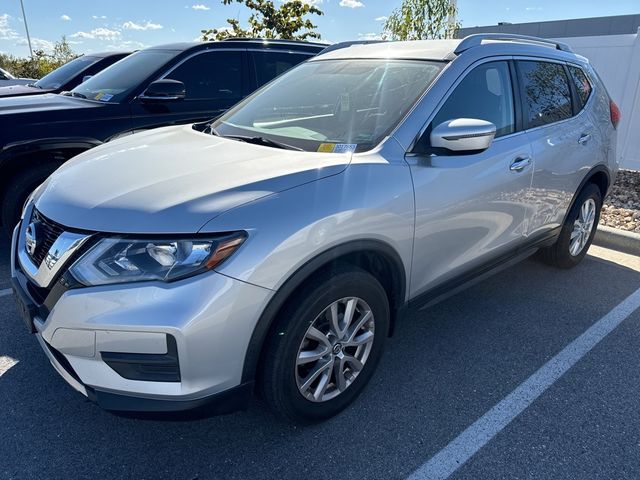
column 622, row 208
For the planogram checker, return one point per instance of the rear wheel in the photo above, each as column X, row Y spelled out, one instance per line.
column 18, row 190
column 578, row 230
column 325, row 346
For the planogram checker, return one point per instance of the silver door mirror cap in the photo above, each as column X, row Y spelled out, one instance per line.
column 463, row 135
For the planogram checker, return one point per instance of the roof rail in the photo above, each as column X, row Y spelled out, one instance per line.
column 278, row 40
column 338, row 46
column 477, row 39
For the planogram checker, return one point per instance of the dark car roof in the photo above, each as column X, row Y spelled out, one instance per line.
column 107, row 54
column 242, row 43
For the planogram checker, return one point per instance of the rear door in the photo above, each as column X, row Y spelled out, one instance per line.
column 470, row 208
column 561, row 135
column 215, row 80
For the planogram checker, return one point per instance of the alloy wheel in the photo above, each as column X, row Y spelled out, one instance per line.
column 334, row 349
column 582, row 227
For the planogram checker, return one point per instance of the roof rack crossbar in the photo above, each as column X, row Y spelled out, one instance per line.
column 477, row 39
column 350, row 43
column 275, row 40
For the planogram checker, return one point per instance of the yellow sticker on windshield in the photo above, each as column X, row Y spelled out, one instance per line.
column 326, row 147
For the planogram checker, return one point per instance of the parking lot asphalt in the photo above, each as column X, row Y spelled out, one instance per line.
column 444, row 368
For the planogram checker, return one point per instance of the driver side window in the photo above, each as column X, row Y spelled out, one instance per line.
column 211, row 75
column 485, row 94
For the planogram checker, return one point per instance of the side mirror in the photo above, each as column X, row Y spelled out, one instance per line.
column 164, row 90
column 463, row 135
column 86, row 77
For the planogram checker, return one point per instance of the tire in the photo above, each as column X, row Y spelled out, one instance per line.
column 19, row 188
column 560, row 254
column 281, row 381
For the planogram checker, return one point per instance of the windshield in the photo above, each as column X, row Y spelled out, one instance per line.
column 333, row 105
column 115, row 82
column 66, row 72
column 4, row 75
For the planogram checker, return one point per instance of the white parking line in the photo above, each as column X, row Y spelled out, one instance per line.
column 6, row 363
column 464, row 446
column 5, row 292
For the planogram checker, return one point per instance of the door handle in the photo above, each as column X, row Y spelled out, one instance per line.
column 584, row 138
column 520, row 164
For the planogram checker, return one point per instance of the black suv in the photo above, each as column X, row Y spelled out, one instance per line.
column 155, row 87
column 66, row 77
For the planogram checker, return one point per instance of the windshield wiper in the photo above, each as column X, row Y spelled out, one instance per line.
column 267, row 142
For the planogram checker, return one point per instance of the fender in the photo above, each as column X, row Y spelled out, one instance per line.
column 17, row 149
column 600, row 168
column 297, row 279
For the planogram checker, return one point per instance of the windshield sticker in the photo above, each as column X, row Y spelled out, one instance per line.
column 337, row 147
column 326, row 147
column 345, row 148
column 345, row 102
column 105, row 97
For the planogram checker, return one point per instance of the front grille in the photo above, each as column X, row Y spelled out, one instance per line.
column 48, row 232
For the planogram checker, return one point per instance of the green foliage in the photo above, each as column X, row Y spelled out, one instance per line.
column 268, row 21
column 41, row 64
column 422, row 20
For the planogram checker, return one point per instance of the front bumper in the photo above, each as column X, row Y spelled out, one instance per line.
column 210, row 318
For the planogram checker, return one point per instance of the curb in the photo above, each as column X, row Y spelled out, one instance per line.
column 620, row 240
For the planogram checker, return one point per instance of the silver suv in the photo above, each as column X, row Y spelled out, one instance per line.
column 276, row 248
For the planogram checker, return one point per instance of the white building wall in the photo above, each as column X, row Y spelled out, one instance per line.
column 617, row 60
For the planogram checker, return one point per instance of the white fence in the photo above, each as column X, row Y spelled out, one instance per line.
column 617, row 60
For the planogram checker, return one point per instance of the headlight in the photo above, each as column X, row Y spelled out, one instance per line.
column 118, row 260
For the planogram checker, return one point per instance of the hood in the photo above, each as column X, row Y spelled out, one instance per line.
column 41, row 103
column 18, row 90
column 172, row 180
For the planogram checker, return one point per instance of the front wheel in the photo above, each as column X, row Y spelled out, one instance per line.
column 325, row 346
column 578, row 230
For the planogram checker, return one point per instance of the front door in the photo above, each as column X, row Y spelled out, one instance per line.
column 214, row 81
column 470, row 208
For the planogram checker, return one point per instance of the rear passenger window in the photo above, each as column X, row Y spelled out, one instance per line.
column 546, row 91
column 271, row 64
column 582, row 84
column 485, row 94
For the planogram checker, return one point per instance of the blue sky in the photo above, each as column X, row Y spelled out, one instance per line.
column 131, row 24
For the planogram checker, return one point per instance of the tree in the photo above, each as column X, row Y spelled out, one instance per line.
column 422, row 20
column 62, row 52
column 269, row 21
column 41, row 63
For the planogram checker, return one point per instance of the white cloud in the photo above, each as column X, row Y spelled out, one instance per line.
column 98, row 33
column 99, row 17
column 145, row 26
column 37, row 44
column 65, row 18
column 382, row 19
column 309, row 2
column 126, row 45
column 6, row 32
column 200, row 6
column 351, row 3
column 369, row 36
